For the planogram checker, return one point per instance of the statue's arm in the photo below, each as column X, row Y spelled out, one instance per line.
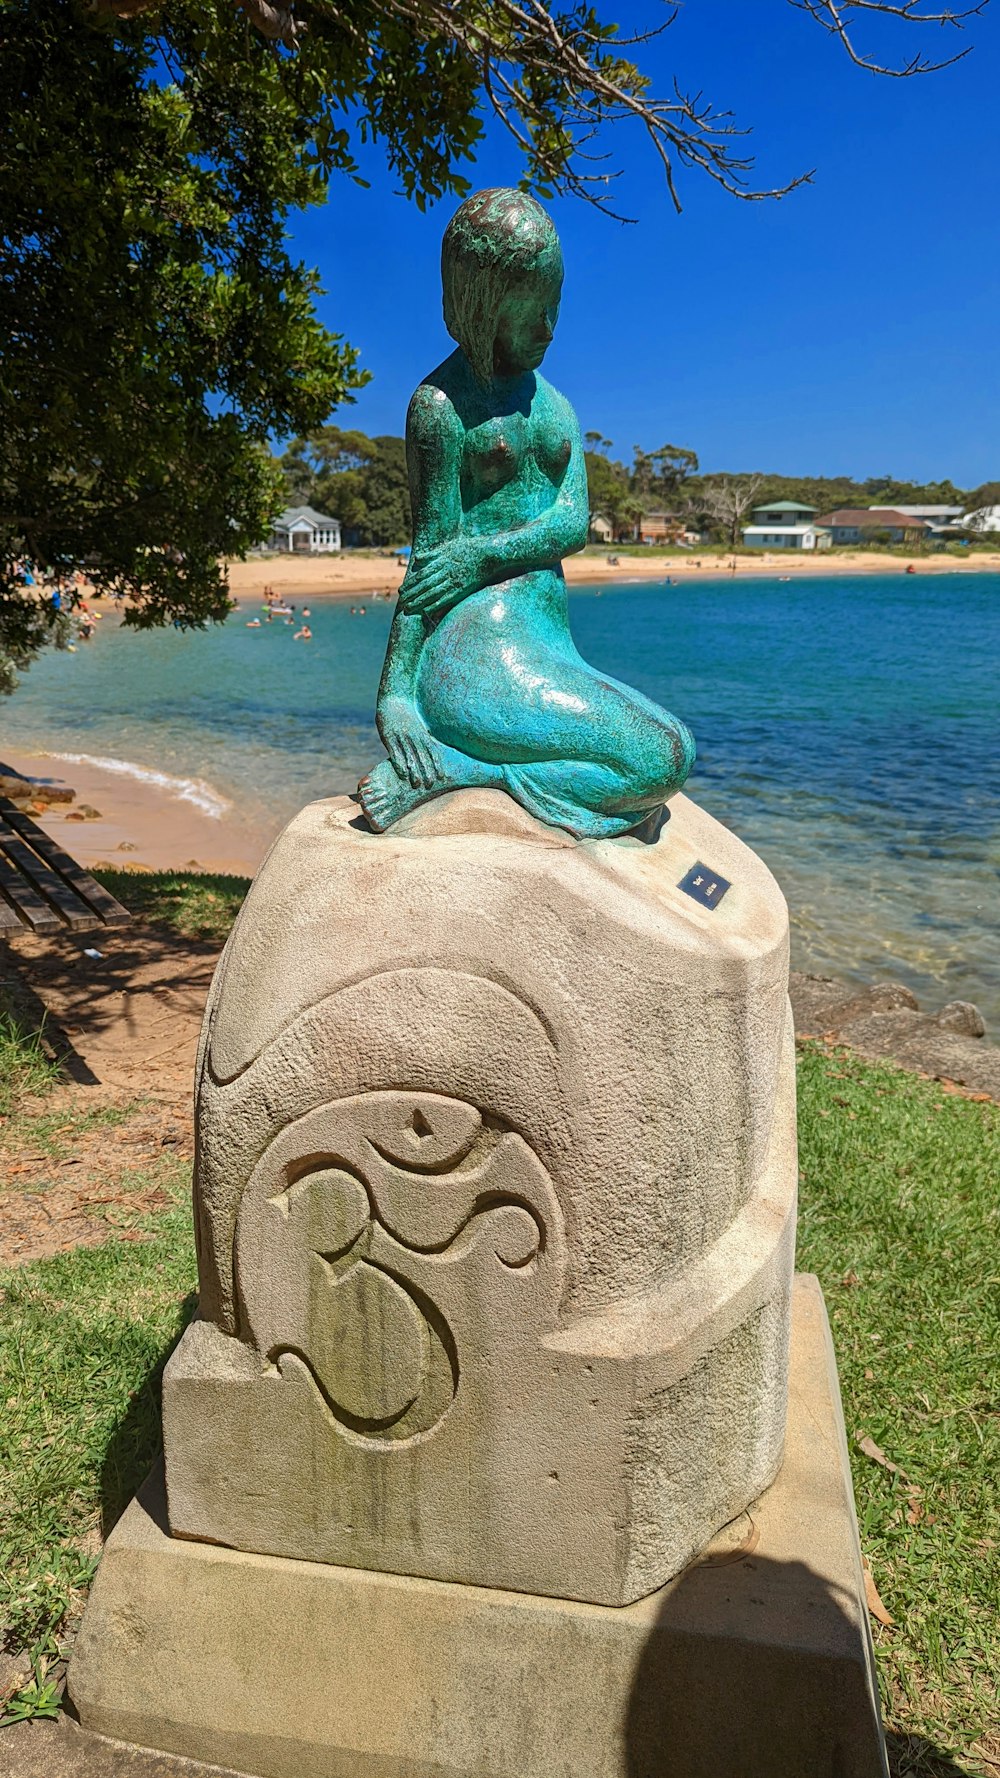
column 405, row 735
column 460, row 564
column 559, row 531
column 433, row 451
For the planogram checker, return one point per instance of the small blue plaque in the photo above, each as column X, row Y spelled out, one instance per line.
column 704, row 885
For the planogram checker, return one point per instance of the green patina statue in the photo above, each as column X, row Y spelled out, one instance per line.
column 482, row 684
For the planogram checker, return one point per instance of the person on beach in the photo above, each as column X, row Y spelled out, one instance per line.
column 483, row 685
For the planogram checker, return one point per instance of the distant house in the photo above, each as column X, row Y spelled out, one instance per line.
column 986, row 518
column 662, row 528
column 936, row 518
column 601, row 529
column 865, row 524
column 783, row 512
column 302, row 529
column 785, row 524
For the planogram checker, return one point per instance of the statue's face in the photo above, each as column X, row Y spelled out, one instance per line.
column 528, row 315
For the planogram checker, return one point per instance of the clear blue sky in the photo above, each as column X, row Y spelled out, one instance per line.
column 850, row 328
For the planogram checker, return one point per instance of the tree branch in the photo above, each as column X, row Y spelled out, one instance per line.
column 553, row 83
column 837, row 20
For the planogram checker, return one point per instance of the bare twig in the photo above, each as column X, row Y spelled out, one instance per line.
column 837, row 19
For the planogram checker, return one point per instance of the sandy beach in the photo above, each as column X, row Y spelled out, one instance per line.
column 302, row 577
column 143, row 824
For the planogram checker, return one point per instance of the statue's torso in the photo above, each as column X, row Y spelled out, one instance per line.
column 515, row 446
column 512, row 463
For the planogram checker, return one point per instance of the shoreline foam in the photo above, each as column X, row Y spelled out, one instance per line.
column 185, row 790
column 148, row 819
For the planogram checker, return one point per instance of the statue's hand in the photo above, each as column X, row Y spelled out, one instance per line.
column 440, row 579
column 409, row 743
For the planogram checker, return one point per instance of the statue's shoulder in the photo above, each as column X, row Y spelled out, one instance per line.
column 433, row 409
column 554, row 402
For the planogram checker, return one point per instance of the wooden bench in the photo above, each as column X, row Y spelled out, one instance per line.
column 43, row 889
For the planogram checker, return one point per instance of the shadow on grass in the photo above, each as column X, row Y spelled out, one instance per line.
column 137, row 1439
column 17, row 992
column 162, row 963
column 910, row 1756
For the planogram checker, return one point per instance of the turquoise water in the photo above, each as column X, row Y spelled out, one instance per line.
column 846, row 729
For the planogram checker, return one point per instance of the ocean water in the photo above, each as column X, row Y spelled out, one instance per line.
column 846, row 728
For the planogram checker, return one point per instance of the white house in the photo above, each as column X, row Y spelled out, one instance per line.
column 786, row 537
column 301, row 528
column 785, row 524
column 987, row 518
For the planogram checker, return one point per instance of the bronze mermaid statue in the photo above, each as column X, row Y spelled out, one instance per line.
column 483, row 684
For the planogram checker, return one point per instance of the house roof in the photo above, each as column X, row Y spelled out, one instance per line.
column 292, row 514
column 783, row 506
column 925, row 512
column 869, row 518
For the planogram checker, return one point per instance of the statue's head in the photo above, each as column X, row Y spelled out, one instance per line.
column 502, row 271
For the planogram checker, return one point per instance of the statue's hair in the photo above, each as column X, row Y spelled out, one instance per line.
column 492, row 239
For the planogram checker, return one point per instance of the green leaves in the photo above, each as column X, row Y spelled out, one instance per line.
column 41, row 1698
column 361, row 481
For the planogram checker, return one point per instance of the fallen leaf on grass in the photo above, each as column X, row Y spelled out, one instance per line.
column 850, row 1279
column 877, row 1455
column 872, row 1600
column 916, row 1513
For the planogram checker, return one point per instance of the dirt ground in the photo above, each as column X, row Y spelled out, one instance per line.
column 125, row 1031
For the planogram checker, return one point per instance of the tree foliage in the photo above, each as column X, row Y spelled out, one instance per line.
column 155, row 330
column 719, row 503
column 360, row 481
column 654, row 482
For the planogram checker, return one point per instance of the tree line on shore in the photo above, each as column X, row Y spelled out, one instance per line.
column 362, row 482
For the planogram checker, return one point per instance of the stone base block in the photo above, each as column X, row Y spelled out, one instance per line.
column 755, row 1662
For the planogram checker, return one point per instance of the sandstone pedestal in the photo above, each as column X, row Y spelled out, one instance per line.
column 753, row 1663
column 495, row 1203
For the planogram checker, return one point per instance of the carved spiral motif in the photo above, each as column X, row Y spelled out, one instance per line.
column 361, row 1256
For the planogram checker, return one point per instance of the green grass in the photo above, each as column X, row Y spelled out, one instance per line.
column 899, row 1217
column 25, row 1067
column 83, row 1339
column 193, row 905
